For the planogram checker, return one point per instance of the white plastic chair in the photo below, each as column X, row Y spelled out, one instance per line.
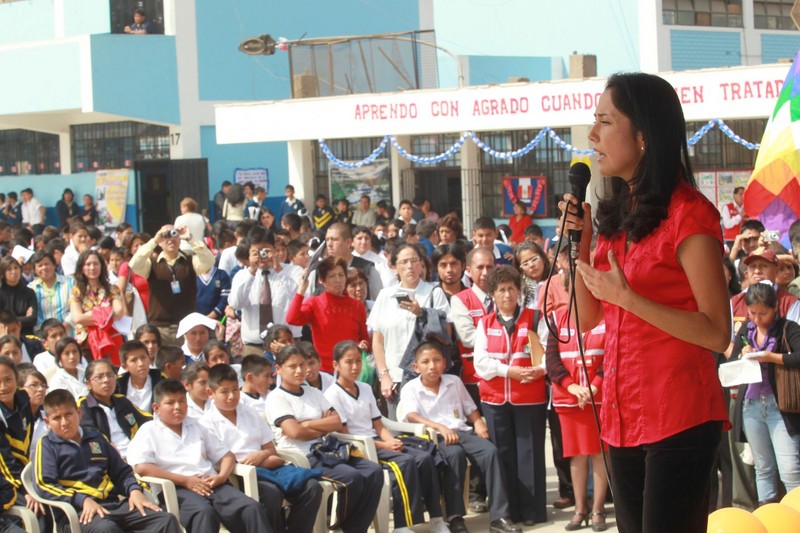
column 28, row 517
column 69, row 511
column 298, row 459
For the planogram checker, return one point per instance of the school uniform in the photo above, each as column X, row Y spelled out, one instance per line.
column 141, row 398
column 16, row 428
column 8, row 497
column 451, row 406
column 415, row 481
column 360, row 480
column 71, row 472
column 515, row 412
column 194, row 453
column 325, row 382
column 248, row 435
column 254, row 402
column 117, row 422
column 64, row 380
column 195, row 411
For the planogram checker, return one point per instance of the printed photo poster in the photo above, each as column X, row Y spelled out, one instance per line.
column 707, row 183
column 373, row 180
column 530, row 189
column 258, row 176
column 741, row 177
column 724, row 187
column 111, row 193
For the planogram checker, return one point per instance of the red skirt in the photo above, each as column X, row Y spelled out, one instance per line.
column 579, row 434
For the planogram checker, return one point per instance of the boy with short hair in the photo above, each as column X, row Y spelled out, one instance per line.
column 177, row 448
column 10, row 325
column 169, row 361
column 81, row 467
column 51, row 331
column 256, row 380
column 314, row 377
column 139, row 380
column 441, row 401
column 251, row 440
column 484, row 234
column 195, row 380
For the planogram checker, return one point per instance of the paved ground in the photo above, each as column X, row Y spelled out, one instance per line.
column 557, row 519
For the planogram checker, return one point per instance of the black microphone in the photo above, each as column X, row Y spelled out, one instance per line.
column 579, row 175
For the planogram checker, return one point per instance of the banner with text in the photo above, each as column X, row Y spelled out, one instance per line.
column 257, row 176
column 111, row 193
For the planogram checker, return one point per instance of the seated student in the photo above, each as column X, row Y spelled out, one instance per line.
column 248, row 436
column 414, row 475
column 8, row 498
column 111, row 414
column 35, row 384
column 195, row 380
column 79, row 466
column 300, row 415
column 315, row 377
column 441, row 401
column 278, row 336
column 139, row 380
column 169, row 361
column 149, row 335
column 15, row 434
column 11, row 347
column 177, row 448
column 70, row 375
column 256, row 381
column 51, row 332
column 196, row 330
column 10, row 325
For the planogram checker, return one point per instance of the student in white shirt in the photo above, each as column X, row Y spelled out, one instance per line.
column 314, row 377
column 52, row 331
column 69, row 375
column 300, row 415
column 195, row 380
column 249, row 437
column 413, row 471
column 138, row 380
column 179, row 449
column 256, row 380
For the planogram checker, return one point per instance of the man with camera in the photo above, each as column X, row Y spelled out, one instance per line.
column 260, row 292
column 172, row 276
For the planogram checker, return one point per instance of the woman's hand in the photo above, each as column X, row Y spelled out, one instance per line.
column 387, row 386
column 569, row 208
column 611, row 286
column 581, row 393
column 768, row 357
column 412, row 306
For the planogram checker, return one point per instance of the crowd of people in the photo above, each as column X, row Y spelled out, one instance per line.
column 180, row 354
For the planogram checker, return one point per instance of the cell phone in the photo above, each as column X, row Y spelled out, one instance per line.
column 402, row 298
column 771, row 235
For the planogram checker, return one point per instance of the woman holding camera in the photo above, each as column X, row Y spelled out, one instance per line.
column 172, row 277
column 332, row 315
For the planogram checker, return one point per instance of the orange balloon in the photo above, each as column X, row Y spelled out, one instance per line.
column 792, row 499
column 779, row 518
column 734, row 520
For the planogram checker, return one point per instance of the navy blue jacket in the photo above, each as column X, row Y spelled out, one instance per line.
column 128, row 416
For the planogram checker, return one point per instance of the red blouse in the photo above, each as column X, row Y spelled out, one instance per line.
column 656, row 385
column 518, row 227
column 332, row 319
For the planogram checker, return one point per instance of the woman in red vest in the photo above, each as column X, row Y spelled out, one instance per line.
column 576, row 381
column 513, row 397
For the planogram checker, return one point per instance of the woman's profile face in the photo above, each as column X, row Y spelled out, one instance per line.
column 619, row 148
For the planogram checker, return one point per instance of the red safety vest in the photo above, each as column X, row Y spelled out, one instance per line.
column 476, row 311
column 511, row 350
column 593, row 349
column 729, row 234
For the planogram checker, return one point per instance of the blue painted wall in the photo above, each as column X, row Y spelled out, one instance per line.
column 541, row 28
column 775, row 47
column 227, row 74
column 484, row 70
column 223, row 159
column 705, row 49
column 121, row 81
column 37, row 71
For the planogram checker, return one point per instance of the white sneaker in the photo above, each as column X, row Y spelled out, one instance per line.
column 438, row 525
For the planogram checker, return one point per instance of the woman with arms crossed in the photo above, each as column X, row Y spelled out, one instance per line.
column 657, row 282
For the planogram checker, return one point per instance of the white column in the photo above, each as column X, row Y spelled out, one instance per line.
column 301, row 170
column 400, row 189
column 471, row 199
column 65, row 153
column 650, row 26
column 596, row 187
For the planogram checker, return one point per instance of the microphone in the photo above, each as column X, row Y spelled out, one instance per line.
column 579, row 175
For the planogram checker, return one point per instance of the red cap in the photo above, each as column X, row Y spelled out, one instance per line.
column 761, row 253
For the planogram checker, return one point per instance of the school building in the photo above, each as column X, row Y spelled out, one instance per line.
column 184, row 109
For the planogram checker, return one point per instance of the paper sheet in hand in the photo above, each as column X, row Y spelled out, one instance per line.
column 739, row 373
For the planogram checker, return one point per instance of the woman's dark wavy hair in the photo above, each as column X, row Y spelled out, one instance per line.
column 80, row 279
column 653, row 108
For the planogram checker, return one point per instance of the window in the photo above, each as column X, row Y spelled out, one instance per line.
column 773, row 15
column 719, row 13
column 433, row 145
column 716, row 151
column 547, row 159
column 344, row 150
column 28, row 152
column 117, row 144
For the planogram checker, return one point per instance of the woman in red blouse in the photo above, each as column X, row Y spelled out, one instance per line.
column 518, row 222
column 657, row 282
column 333, row 315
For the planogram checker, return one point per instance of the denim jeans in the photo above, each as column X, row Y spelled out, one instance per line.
column 774, row 450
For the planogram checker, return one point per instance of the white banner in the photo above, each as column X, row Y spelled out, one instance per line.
column 729, row 93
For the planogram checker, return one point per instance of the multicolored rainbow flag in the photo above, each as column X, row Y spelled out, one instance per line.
column 773, row 193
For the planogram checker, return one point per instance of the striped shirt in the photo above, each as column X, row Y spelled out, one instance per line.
column 53, row 301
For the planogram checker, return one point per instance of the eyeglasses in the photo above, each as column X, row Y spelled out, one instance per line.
column 408, row 262
column 99, row 378
column 35, row 386
column 530, row 262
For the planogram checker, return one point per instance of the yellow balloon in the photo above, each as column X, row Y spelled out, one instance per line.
column 779, row 518
column 734, row 520
column 792, row 499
